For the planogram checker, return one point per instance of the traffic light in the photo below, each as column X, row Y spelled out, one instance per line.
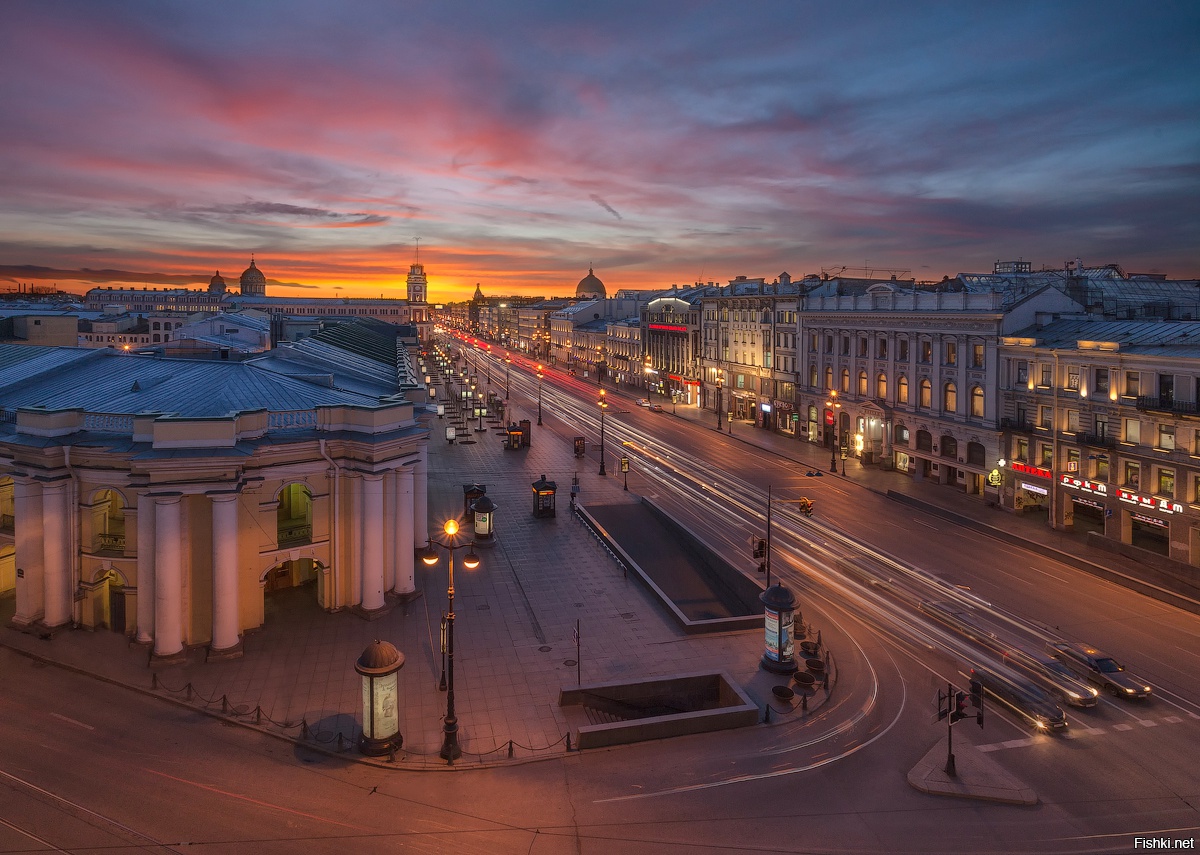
column 977, row 700
column 959, row 712
column 760, row 549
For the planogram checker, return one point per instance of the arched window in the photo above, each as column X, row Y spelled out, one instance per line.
column 812, row 376
column 845, row 380
column 828, row 377
column 881, row 387
column 977, row 401
column 949, row 446
column 901, row 389
column 862, row 383
column 950, row 398
column 926, row 392
column 900, row 434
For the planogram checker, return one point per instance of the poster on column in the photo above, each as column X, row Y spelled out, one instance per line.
column 385, row 715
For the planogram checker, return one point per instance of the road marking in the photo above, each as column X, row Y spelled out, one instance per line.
column 1173, row 719
column 1122, row 727
column 1145, row 722
column 1017, row 743
column 72, row 721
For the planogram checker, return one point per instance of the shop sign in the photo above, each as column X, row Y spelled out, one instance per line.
column 1163, row 506
column 1080, row 500
column 1149, row 520
column 1034, row 488
column 668, row 327
column 1026, row 469
column 994, row 478
column 766, row 408
column 1099, row 488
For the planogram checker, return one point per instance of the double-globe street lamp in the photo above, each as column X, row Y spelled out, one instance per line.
column 834, row 405
column 450, row 747
column 720, row 386
column 507, row 368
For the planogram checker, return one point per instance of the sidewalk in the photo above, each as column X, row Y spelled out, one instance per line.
column 515, row 620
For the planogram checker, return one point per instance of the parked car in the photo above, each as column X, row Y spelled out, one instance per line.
column 1053, row 676
column 1022, row 697
column 1099, row 668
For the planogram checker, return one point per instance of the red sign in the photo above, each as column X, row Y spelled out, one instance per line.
column 1164, row 506
column 669, row 327
column 1097, row 487
column 1025, row 469
column 829, row 417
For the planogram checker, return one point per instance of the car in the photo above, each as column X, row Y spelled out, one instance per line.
column 1022, row 697
column 1100, row 669
column 656, row 408
column 642, row 402
column 1053, row 676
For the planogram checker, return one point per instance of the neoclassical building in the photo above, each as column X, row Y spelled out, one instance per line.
column 168, row 498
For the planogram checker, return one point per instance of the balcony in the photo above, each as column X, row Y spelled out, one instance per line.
column 1019, row 426
column 295, row 535
column 110, row 544
column 1165, row 404
column 1096, row 440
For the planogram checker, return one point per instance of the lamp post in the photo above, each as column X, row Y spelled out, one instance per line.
column 833, row 404
column 507, row 368
column 603, row 405
column 720, row 386
column 450, row 747
column 540, row 375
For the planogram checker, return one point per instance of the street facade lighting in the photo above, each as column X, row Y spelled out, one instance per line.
column 507, row 369
column 833, row 405
column 451, row 750
column 720, row 385
column 603, row 405
column 540, row 375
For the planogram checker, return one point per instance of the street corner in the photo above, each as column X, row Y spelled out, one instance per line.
column 976, row 776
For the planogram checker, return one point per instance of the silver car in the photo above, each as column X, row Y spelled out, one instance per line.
column 1099, row 668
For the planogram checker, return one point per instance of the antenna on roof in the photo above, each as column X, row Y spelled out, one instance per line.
column 417, row 260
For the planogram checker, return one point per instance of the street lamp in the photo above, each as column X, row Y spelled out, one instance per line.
column 720, row 385
column 603, row 405
column 450, row 747
column 834, row 405
column 540, row 375
column 507, row 368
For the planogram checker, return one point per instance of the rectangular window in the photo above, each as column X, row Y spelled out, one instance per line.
column 1022, row 449
column 902, row 350
column 977, row 356
column 1166, row 437
column 1132, row 475
column 950, row 348
column 1166, row 483
column 845, row 345
column 1072, row 459
column 1102, row 467
column 1046, row 417
column 1073, row 421
column 1131, row 383
column 829, row 344
column 862, row 346
column 1102, row 426
column 812, row 343
column 1101, row 381
column 1073, row 377
column 881, row 348
column 1022, row 372
column 1047, row 455
column 1133, row 431
column 1047, row 374
column 927, row 351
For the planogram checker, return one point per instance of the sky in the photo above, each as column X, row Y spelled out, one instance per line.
column 517, row 144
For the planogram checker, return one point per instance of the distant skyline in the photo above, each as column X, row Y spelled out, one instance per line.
column 152, row 142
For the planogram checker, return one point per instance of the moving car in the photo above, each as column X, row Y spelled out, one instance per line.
column 1099, row 668
column 1052, row 676
column 656, row 408
column 1022, row 697
column 643, row 402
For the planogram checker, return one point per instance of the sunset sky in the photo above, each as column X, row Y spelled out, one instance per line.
column 154, row 141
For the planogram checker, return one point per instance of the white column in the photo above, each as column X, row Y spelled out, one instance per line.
column 420, row 502
column 168, row 584
column 389, row 531
column 56, row 527
column 406, row 582
column 226, row 609
column 27, row 528
column 145, row 569
column 372, row 542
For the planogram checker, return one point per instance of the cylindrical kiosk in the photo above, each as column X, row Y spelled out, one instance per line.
column 378, row 666
column 485, row 528
column 780, row 609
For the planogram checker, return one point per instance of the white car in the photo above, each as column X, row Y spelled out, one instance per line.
column 643, row 402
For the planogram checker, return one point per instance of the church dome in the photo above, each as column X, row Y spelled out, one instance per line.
column 590, row 286
column 217, row 284
column 253, row 281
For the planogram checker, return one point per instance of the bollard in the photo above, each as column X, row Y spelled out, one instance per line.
column 392, row 754
column 568, row 740
column 826, row 658
column 258, row 715
column 510, row 749
column 154, row 682
column 304, row 728
column 803, row 701
column 224, row 705
column 341, row 742
column 189, row 691
column 825, row 683
column 767, row 714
